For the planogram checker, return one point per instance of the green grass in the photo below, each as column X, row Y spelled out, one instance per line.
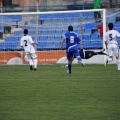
column 90, row 93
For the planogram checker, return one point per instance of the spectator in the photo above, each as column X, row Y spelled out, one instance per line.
column 88, row 4
column 100, row 28
column 97, row 5
column 88, row 1
column 110, row 3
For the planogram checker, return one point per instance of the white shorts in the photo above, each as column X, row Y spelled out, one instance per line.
column 113, row 50
column 31, row 55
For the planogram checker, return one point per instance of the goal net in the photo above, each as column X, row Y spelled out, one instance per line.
column 48, row 28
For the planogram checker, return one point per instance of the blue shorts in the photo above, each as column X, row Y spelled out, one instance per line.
column 72, row 53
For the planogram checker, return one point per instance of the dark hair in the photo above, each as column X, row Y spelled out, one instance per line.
column 110, row 26
column 70, row 28
column 25, row 31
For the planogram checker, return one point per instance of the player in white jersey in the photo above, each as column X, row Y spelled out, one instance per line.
column 27, row 43
column 112, row 45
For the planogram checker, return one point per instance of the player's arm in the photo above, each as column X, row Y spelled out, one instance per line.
column 21, row 44
column 63, row 41
column 118, row 34
column 79, row 40
column 105, row 41
column 33, row 42
column 36, row 43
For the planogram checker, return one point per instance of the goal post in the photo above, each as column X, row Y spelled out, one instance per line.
column 48, row 28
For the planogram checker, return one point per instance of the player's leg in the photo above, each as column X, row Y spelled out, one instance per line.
column 116, row 53
column 110, row 53
column 69, row 67
column 100, row 53
column 70, row 58
column 118, row 64
column 30, row 60
column 76, row 53
column 35, row 61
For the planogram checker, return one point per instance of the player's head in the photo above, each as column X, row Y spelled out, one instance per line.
column 110, row 26
column 70, row 28
column 25, row 31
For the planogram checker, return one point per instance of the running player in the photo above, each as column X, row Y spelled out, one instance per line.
column 111, row 44
column 26, row 43
column 72, row 41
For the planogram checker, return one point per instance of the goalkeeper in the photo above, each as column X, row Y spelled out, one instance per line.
column 86, row 54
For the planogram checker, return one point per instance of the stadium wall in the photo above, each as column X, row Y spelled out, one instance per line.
column 45, row 57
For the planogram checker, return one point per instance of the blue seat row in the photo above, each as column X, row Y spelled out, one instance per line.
column 13, row 18
column 59, row 16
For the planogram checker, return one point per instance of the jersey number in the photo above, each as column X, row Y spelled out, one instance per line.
column 110, row 36
column 25, row 42
column 72, row 39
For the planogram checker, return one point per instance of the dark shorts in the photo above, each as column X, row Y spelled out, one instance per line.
column 71, row 54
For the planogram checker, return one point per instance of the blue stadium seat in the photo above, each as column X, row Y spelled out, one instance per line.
column 42, row 17
column 84, row 15
column 86, row 38
column 57, row 38
column 62, row 16
column 90, row 15
column 94, row 25
column 77, row 15
column 42, row 38
column 86, row 45
column 117, row 25
column 50, row 38
column 118, row 42
column 18, row 33
column 118, row 29
column 14, row 18
column 70, row 15
column 15, row 38
column 111, row 19
column 45, row 17
column 94, row 36
column 1, row 28
column 88, row 26
column 7, row 39
column 2, row 46
column 87, row 32
column 55, row 16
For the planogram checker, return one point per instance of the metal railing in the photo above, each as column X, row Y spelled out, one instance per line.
column 58, row 7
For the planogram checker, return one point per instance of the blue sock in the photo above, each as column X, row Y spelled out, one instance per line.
column 80, row 59
column 69, row 68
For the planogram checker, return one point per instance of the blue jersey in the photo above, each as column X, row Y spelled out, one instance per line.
column 72, row 41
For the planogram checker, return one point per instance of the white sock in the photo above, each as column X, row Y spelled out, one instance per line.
column 30, row 62
column 118, row 64
column 35, row 63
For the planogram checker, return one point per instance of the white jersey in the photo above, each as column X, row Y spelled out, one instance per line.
column 26, row 43
column 110, row 36
column 112, row 45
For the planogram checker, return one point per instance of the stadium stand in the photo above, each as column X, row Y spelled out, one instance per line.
column 49, row 37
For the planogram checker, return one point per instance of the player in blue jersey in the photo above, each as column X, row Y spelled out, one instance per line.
column 72, row 40
column 86, row 54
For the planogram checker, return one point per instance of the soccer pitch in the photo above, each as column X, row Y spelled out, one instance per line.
column 90, row 93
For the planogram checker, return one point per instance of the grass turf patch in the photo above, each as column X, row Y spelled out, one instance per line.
column 90, row 93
